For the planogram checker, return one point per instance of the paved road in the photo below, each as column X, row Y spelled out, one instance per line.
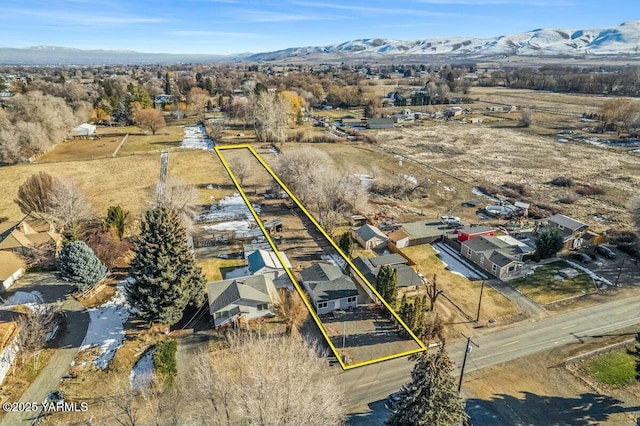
column 58, row 366
column 367, row 386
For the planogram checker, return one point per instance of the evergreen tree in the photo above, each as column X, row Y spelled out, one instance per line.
column 387, row 284
column 431, row 397
column 78, row 264
column 164, row 269
column 117, row 218
column 346, row 244
column 549, row 243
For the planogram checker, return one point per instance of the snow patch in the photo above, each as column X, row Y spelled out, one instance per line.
column 24, row 298
column 336, row 259
column 142, row 373
column 479, row 193
column 106, row 326
column 195, row 137
column 410, row 179
column 229, row 208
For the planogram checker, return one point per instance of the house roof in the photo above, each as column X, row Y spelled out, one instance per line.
column 388, row 259
column 424, row 229
column 273, row 222
column 254, row 287
column 368, row 232
column 475, row 230
column 265, row 259
column 485, row 243
column 15, row 239
column 567, row 222
column 525, row 248
column 502, row 259
column 399, row 235
column 407, row 276
column 44, row 237
column 10, row 263
column 521, row 205
column 327, row 282
column 321, row 272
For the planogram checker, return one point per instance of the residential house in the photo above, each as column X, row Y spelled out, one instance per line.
column 380, row 123
column 243, row 298
column 329, row 288
column 27, row 233
column 83, row 130
column 424, row 231
column 408, row 279
column 465, row 234
column 266, row 262
column 451, row 112
column 12, row 267
column 369, row 237
column 399, row 238
column 574, row 233
column 501, row 258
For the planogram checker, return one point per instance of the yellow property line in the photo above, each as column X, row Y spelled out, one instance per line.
column 312, row 311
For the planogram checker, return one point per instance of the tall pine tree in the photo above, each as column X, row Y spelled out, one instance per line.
column 164, row 269
column 431, row 398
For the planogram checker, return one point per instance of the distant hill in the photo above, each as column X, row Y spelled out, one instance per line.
column 622, row 40
column 55, row 55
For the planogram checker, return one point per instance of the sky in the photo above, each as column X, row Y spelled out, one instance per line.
column 239, row 26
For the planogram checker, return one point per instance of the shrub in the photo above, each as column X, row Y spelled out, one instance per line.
column 589, row 190
column 563, row 181
column 631, row 249
column 517, row 187
column 164, row 359
column 569, row 199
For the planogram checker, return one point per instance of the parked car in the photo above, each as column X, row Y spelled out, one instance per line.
column 449, row 219
column 581, row 257
column 393, row 400
column 605, row 251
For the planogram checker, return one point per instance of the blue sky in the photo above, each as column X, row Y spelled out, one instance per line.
column 235, row 26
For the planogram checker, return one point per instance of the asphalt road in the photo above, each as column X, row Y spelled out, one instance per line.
column 367, row 386
column 66, row 345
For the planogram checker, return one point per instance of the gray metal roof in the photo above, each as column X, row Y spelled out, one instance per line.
column 424, row 229
column 407, row 276
column 368, row 232
column 223, row 293
column 502, row 259
column 483, row 243
column 567, row 222
column 472, row 230
column 327, row 282
column 388, row 259
column 321, row 272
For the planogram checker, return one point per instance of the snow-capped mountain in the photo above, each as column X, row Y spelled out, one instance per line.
column 623, row 39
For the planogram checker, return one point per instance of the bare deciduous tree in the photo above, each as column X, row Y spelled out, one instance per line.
column 327, row 192
column 197, row 100
column 33, row 327
column 240, row 166
column 271, row 115
column 293, row 309
column 70, row 207
column 526, row 117
column 433, row 292
column 179, row 196
column 267, row 381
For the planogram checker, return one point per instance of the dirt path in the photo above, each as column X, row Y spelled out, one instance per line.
column 49, row 378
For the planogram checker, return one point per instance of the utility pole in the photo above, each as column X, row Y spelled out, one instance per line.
column 619, row 272
column 480, row 301
column 467, row 349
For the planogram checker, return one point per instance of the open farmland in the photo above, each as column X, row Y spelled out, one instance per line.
column 485, row 155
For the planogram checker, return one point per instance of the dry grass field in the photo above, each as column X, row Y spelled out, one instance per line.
column 124, row 180
column 486, row 155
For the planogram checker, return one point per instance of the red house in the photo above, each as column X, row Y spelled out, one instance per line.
column 465, row 234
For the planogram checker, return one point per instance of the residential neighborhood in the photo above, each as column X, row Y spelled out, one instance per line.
column 386, row 231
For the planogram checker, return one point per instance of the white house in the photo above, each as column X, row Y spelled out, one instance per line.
column 369, row 237
column 83, row 130
column 329, row 288
column 265, row 262
column 242, row 298
column 11, row 268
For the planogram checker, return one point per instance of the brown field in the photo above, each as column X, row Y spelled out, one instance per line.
column 122, row 180
column 138, row 142
column 486, row 155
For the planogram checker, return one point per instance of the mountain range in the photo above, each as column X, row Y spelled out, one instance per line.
column 622, row 40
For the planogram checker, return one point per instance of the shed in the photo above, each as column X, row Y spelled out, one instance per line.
column 83, row 130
